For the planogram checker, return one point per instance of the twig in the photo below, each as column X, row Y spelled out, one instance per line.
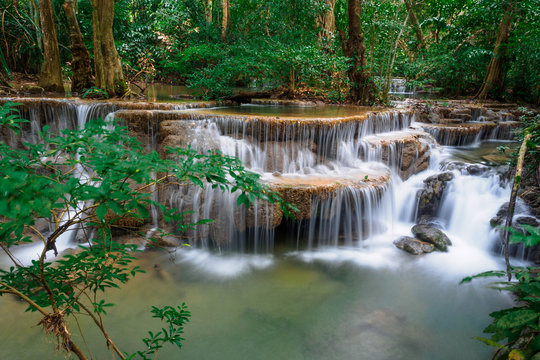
column 512, row 204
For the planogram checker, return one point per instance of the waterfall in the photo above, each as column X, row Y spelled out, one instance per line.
column 355, row 179
column 59, row 115
column 400, row 86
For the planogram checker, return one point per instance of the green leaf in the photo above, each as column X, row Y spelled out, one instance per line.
column 490, row 343
column 195, row 180
column 242, row 199
column 516, row 319
column 101, row 211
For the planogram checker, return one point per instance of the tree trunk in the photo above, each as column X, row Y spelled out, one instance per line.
column 107, row 65
column 226, row 21
column 512, row 203
column 327, row 22
column 34, row 10
column 80, row 62
column 208, row 11
column 50, row 76
column 416, row 25
column 363, row 89
column 494, row 80
column 391, row 61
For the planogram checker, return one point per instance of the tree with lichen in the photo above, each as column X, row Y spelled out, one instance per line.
column 362, row 87
column 107, row 65
column 494, row 81
column 50, row 76
column 80, row 59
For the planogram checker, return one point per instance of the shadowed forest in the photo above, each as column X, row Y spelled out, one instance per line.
column 330, row 50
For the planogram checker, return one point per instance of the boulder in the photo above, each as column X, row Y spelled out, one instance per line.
column 429, row 220
column 500, row 218
column 432, row 235
column 32, row 89
column 413, row 246
column 429, row 199
column 159, row 241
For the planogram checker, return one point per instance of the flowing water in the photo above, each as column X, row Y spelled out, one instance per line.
column 329, row 286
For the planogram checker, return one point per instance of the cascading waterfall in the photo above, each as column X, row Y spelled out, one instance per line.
column 59, row 116
column 347, row 168
column 400, row 86
column 297, row 152
column 471, row 134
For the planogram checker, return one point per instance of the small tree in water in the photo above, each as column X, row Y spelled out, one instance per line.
column 96, row 177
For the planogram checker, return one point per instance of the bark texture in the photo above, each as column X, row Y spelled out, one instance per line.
column 107, row 65
column 208, row 11
column 327, row 22
column 363, row 89
column 416, row 25
column 226, row 21
column 50, row 76
column 80, row 62
column 512, row 204
column 494, row 80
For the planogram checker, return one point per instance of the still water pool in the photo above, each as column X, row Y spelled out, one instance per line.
column 284, row 306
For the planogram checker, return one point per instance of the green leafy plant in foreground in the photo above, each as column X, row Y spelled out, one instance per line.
column 94, row 179
column 515, row 330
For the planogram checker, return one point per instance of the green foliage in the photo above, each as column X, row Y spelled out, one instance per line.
column 95, row 177
column 516, row 328
column 95, row 93
column 175, row 318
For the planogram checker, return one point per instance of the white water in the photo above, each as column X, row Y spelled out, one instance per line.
column 355, row 224
column 367, row 295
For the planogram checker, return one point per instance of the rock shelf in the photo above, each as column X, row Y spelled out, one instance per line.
column 467, row 133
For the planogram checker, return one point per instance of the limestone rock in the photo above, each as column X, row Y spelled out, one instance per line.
column 429, row 199
column 33, row 89
column 432, row 235
column 413, row 246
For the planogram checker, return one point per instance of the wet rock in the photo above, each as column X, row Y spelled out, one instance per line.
column 432, row 235
column 33, row 89
column 500, row 218
column 413, row 246
column 477, row 169
column 528, row 220
column 260, row 214
column 279, row 154
column 429, row 199
column 450, row 121
column 454, row 165
column 429, row 220
column 370, row 334
column 182, row 133
column 161, row 241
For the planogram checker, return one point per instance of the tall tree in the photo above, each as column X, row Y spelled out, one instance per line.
column 327, row 21
column 226, row 21
column 80, row 61
column 391, row 61
column 409, row 4
column 494, row 80
column 363, row 89
column 208, row 10
column 50, row 76
column 107, row 65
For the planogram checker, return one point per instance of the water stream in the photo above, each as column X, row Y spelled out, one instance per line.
column 329, row 286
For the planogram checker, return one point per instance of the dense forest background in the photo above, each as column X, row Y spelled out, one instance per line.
column 309, row 47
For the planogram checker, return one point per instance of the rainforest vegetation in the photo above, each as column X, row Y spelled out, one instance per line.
column 333, row 50
column 101, row 175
